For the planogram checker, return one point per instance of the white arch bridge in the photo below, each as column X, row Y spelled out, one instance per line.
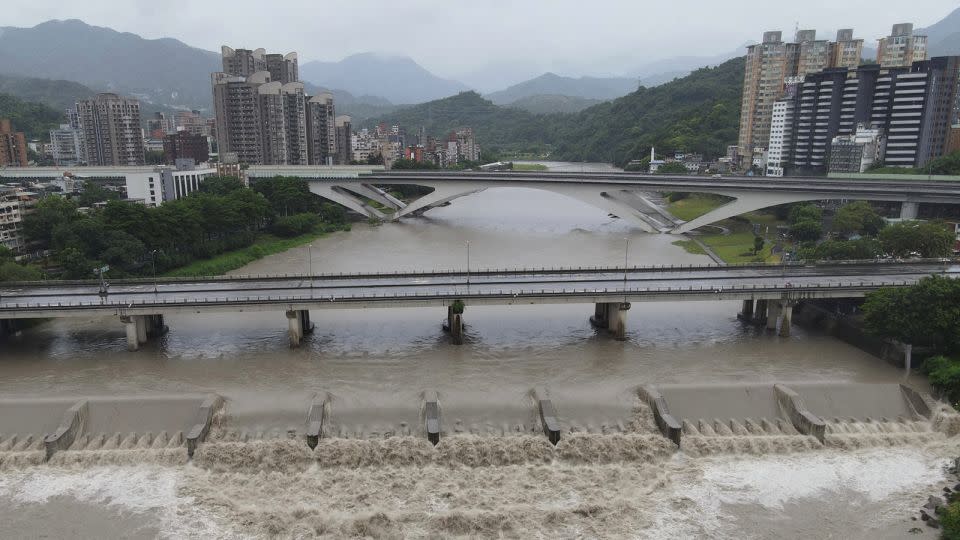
column 627, row 195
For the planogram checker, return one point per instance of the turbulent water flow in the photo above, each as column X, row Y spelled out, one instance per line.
column 493, row 473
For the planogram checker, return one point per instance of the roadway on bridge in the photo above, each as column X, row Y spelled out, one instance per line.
column 240, row 289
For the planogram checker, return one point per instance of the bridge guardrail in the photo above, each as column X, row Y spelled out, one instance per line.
column 873, row 263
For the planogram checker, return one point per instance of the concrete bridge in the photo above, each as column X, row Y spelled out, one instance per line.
column 768, row 292
column 627, row 195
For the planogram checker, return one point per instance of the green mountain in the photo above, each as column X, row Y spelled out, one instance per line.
column 696, row 113
column 57, row 94
column 553, row 103
column 495, row 127
column 35, row 120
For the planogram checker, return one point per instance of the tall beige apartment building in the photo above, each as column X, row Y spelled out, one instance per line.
column 262, row 112
column 111, row 129
column 770, row 63
column 902, row 47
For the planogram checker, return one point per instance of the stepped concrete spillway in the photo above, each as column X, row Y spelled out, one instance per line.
column 792, row 416
column 804, row 408
column 100, row 422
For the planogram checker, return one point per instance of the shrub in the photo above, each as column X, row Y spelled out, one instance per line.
column 295, row 225
column 950, row 521
column 944, row 375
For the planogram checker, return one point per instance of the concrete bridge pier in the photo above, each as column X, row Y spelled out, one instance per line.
column 298, row 325
column 612, row 316
column 8, row 327
column 140, row 328
column 909, row 210
column 746, row 311
column 773, row 315
column 760, row 312
column 455, row 326
column 786, row 318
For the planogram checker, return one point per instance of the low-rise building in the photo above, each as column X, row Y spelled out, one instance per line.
column 66, row 146
column 13, row 145
column 857, row 152
column 15, row 203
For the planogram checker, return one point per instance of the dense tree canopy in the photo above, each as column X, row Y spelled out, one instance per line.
column 928, row 239
column 927, row 314
column 858, row 218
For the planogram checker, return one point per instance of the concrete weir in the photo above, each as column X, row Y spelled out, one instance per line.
column 548, row 415
column 316, row 418
column 431, row 416
column 63, row 423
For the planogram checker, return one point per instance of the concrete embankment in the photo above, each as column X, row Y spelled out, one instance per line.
column 818, row 316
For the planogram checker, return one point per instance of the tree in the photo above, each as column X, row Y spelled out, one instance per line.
column 845, row 250
column 674, row 167
column 758, row 243
column 858, row 218
column 926, row 314
column 221, row 185
column 805, row 212
column 928, row 239
column 295, row 225
column 51, row 211
column 409, row 164
column 93, row 193
column 806, row 230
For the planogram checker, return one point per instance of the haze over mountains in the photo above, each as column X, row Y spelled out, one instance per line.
column 169, row 73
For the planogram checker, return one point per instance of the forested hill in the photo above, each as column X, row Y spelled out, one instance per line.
column 34, row 119
column 495, row 127
column 696, row 113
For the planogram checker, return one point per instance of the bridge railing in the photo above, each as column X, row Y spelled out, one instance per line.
column 788, row 292
column 515, row 271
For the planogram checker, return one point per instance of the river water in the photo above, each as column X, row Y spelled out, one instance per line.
column 614, row 477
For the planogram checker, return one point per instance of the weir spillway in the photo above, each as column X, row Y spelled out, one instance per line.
column 698, row 419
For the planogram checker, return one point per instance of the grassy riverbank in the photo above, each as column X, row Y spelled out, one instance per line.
column 530, row 167
column 695, row 205
column 265, row 245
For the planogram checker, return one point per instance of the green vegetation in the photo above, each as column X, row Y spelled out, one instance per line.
column 925, row 315
column 950, row 521
column 674, row 167
column 806, row 222
column 264, row 246
column 737, row 247
column 223, row 218
column 697, row 113
column 928, row 239
column 33, row 119
column 409, row 164
column 690, row 206
column 857, row 218
column 530, row 167
column 10, row 270
column 690, row 247
column 842, row 250
column 59, row 95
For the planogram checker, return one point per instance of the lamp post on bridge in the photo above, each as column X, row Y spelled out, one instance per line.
column 626, row 252
column 310, row 263
column 153, row 266
column 468, row 266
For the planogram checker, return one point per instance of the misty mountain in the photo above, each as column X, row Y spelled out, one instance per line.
column 397, row 78
column 548, row 104
column 164, row 71
column 943, row 37
column 594, row 88
column 667, row 69
column 57, row 94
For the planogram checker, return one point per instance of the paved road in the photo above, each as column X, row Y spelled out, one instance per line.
column 713, row 281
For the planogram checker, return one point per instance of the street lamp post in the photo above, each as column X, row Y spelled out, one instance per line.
column 153, row 265
column 626, row 251
column 468, row 266
column 310, row 263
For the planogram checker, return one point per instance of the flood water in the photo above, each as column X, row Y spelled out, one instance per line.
column 376, row 363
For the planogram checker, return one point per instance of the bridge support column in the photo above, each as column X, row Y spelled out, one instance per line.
column 132, row 325
column 909, row 210
column 617, row 320
column 155, row 326
column 746, row 312
column 306, row 327
column 760, row 312
column 786, row 318
column 295, row 327
column 773, row 313
column 141, row 325
column 7, row 327
column 455, row 326
column 600, row 315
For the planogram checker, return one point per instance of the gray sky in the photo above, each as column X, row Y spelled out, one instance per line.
column 466, row 39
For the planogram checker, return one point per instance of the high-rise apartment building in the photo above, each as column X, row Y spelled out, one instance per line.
column 321, row 130
column 112, row 134
column 911, row 110
column 344, row 125
column 901, row 48
column 13, row 145
column 66, row 146
column 185, row 145
column 283, row 68
column 261, row 108
column 243, row 62
column 769, row 64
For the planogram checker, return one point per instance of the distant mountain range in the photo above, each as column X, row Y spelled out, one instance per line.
column 397, row 78
column 552, row 84
column 943, row 38
column 552, row 103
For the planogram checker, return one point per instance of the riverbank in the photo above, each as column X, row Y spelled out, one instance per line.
column 265, row 245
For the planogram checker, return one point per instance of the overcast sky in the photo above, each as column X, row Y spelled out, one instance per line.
column 464, row 39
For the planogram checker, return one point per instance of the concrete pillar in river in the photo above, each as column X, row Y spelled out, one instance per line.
column 909, row 210
column 746, row 312
column 455, row 325
column 773, row 314
column 617, row 319
column 130, row 323
column 294, row 328
column 786, row 318
column 760, row 312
